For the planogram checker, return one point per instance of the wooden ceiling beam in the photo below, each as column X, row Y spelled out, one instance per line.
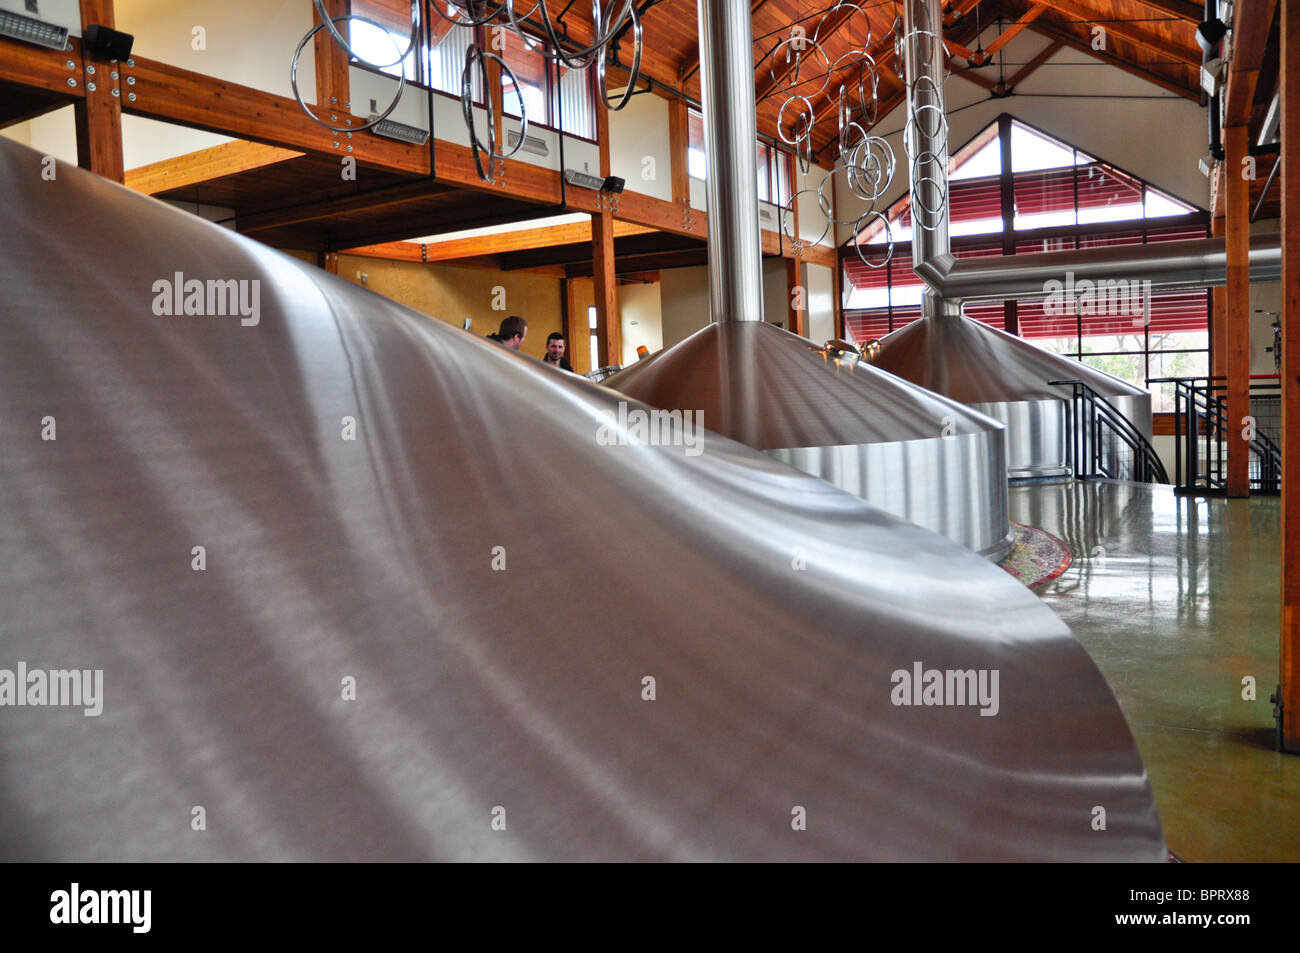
column 581, row 252
column 331, row 207
column 1074, row 43
column 1007, row 87
column 180, row 96
column 958, row 11
column 1251, row 26
column 973, row 77
column 1013, row 31
column 637, row 264
column 691, row 65
column 523, row 239
column 1041, row 57
column 394, row 251
column 192, row 168
column 1179, row 9
column 774, row 76
column 1076, row 13
column 36, row 68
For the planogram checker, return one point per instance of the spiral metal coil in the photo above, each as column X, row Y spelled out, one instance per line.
column 865, row 163
column 611, row 23
column 926, row 118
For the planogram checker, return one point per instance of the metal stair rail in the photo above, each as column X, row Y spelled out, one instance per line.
column 1200, row 412
column 1095, row 428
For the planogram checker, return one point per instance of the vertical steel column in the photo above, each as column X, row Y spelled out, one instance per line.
column 730, row 141
column 926, row 133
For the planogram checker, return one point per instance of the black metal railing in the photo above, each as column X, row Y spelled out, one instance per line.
column 1201, row 431
column 600, row 373
column 1102, row 442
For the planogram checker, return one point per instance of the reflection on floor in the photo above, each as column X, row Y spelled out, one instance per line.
column 1176, row 599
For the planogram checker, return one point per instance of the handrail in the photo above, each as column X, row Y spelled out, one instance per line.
column 1200, row 406
column 1091, row 413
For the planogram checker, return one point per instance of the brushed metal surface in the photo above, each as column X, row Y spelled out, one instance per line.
column 1007, row 378
column 371, row 558
column 974, row 363
column 771, row 389
column 1036, row 436
column 956, row 486
column 925, row 66
column 1196, row 263
column 913, row 453
column 730, row 129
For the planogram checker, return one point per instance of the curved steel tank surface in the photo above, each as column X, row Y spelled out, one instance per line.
column 915, row 454
column 1007, row 378
column 366, row 586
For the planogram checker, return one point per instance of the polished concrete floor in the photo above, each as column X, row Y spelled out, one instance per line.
column 1176, row 599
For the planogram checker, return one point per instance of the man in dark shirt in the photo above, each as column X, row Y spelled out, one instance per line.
column 512, row 332
column 555, row 347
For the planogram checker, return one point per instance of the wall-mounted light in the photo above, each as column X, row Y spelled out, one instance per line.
column 1206, row 165
column 1209, row 33
column 583, row 179
column 612, row 184
column 399, row 131
column 1212, row 75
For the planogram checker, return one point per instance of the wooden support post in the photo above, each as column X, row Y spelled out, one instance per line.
column 796, row 294
column 1290, row 556
column 1218, row 313
column 332, row 84
column 837, row 275
column 607, row 323
column 1237, row 299
column 608, row 334
column 98, row 117
column 679, row 141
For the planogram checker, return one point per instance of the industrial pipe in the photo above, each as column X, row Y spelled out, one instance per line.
column 1191, row 264
column 1198, row 263
column 730, row 131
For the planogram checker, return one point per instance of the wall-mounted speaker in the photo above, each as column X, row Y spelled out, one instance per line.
column 106, row 42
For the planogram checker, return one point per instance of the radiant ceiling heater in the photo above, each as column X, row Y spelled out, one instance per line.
column 46, row 23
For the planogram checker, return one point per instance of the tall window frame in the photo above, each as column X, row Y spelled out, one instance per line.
column 774, row 165
column 440, row 60
column 1170, row 338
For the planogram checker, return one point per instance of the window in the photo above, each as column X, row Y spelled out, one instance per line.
column 382, row 45
column 446, row 59
column 696, row 164
column 530, row 72
column 774, row 174
column 567, row 101
column 595, row 343
column 775, row 168
column 1063, row 199
column 552, row 95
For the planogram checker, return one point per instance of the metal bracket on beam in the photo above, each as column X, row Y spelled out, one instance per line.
column 130, row 80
